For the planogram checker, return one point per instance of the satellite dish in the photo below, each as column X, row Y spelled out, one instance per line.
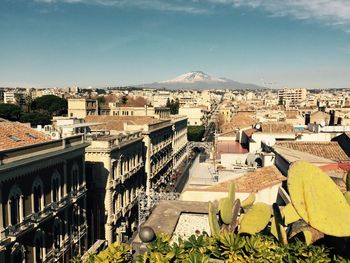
column 271, row 141
column 257, row 126
column 323, row 123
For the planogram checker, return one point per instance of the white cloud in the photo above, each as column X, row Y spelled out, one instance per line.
column 329, row 12
column 173, row 5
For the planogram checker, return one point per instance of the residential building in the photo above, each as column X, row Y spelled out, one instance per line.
column 196, row 115
column 80, row 108
column 42, row 196
column 9, row 97
column 115, row 177
column 291, row 97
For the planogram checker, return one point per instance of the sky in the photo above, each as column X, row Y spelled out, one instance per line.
column 289, row 43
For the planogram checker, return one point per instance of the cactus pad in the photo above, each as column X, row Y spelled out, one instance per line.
column 256, row 219
column 289, row 214
column 249, row 201
column 226, row 210
column 317, row 199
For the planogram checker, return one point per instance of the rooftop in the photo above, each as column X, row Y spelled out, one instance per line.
column 328, row 150
column 232, row 147
column 116, row 123
column 260, row 179
column 277, row 127
column 14, row 134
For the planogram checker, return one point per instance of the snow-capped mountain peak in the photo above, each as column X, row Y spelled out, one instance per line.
column 193, row 77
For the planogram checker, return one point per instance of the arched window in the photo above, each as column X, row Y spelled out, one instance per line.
column 57, row 233
column 120, row 202
column 15, row 206
column 37, row 195
column 18, row 253
column 39, row 251
column 115, row 203
column 56, row 187
column 76, row 219
column 75, row 177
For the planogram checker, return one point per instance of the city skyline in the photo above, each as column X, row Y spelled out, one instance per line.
column 100, row 43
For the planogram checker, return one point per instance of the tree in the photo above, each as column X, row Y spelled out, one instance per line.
column 173, row 105
column 10, row 112
column 124, row 99
column 195, row 133
column 35, row 118
column 51, row 104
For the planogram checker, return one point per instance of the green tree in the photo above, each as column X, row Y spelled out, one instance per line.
column 35, row 118
column 10, row 112
column 124, row 100
column 195, row 133
column 173, row 105
column 50, row 104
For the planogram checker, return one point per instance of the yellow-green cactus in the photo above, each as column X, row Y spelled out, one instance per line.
column 347, row 196
column 289, row 214
column 232, row 191
column 213, row 221
column 317, row 199
column 277, row 225
column 255, row 219
column 249, row 201
column 226, row 210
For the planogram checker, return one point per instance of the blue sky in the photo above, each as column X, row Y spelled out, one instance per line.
column 295, row 43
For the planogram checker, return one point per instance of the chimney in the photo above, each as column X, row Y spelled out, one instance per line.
column 307, row 118
column 332, row 118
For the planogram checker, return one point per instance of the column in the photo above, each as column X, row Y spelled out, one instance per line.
column 65, row 191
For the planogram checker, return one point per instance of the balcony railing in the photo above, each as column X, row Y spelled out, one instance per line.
column 130, row 173
column 41, row 215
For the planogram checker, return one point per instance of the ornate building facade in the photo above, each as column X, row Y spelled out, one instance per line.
column 42, row 196
column 116, row 175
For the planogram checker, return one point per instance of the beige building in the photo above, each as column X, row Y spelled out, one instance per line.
column 291, row 97
column 159, row 112
column 179, row 144
column 115, row 171
column 80, row 108
column 42, row 196
column 196, row 116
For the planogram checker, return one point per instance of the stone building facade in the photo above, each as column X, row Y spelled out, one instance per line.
column 116, row 175
column 42, row 198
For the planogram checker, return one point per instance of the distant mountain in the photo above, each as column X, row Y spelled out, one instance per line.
column 200, row 80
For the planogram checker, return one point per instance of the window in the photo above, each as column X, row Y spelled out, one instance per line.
column 15, row 205
column 57, row 233
column 39, row 252
column 75, row 219
column 37, row 195
column 18, row 253
column 55, row 187
column 75, row 177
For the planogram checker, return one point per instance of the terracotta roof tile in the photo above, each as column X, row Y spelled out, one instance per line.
column 14, row 134
column 253, row 181
column 277, row 127
column 328, row 150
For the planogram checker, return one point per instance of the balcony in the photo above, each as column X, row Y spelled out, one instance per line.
column 130, row 173
column 57, row 206
column 76, row 194
column 116, row 216
column 12, row 232
column 77, row 235
column 41, row 215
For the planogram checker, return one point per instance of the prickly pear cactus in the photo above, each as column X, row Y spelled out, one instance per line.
column 226, row 210
column 317, row 199
column 255, row 219
column 213, row 221
column 249, row 201
column 289, row 214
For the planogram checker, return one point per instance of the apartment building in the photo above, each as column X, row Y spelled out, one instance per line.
column 115, row 177
column 42, row 196
column 80, row 108
column 179, row 144
column 115, row 109
column 9, row 97
column 196, row 115
column 291, row 97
